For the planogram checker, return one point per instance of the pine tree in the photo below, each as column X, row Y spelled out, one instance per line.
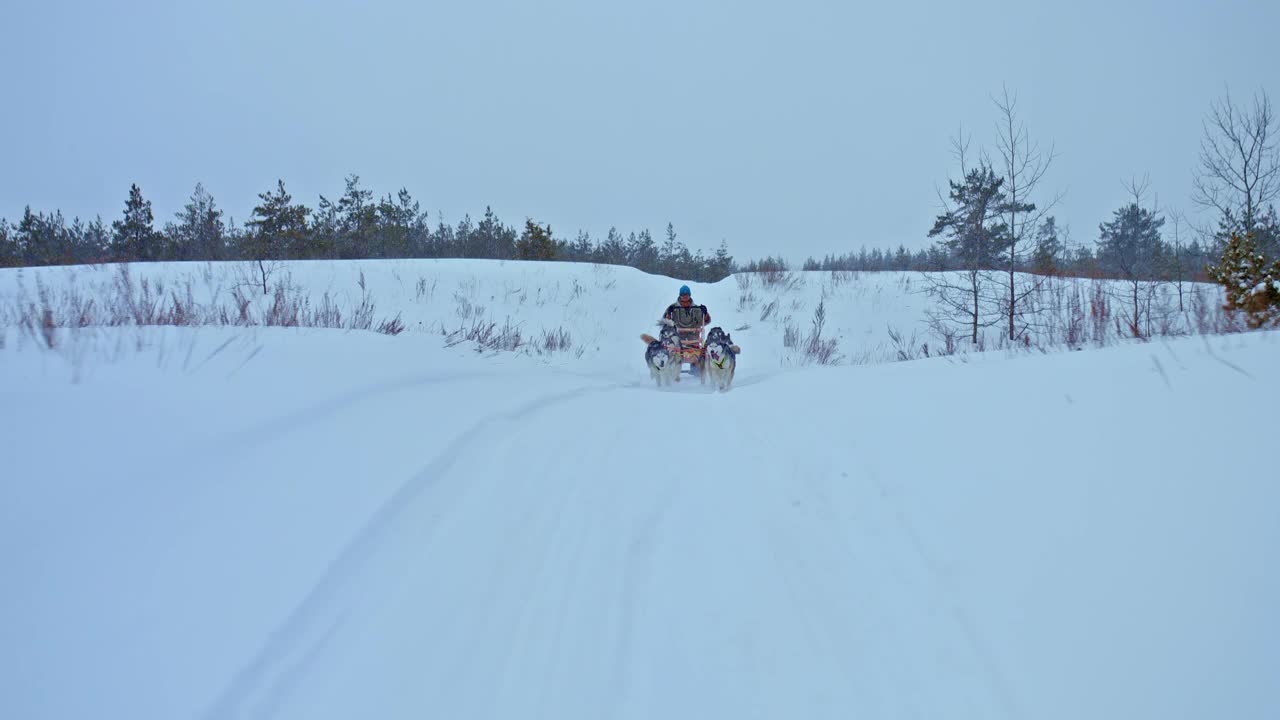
column 462, row 240
column 134, row 237
column 975, row 238
column 41, row 239
column 276, row 227
column 30, row 238
column 535, row 242
column 582, row 249
column 491, row 239
column 8, row 247
column 443, row 241
column 358, row 221
column 96, row 241
column 1048, row 248
column 722, row 264
column 322, row 241
column 1251, row 285
column 642, row 252
column 199, row 233
column 1267, row 234
column 1130, row 247
column 613, row 251
column 669, row 261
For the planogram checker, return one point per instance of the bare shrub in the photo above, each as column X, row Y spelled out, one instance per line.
column 128, row 300
column 790, row 336
column 392, row 326
column 326, row 314
column 467, row 310
column 947, row 333
column 842, row 277
column 1099, row 312
column 479, row 332
column 138, row 301
column 423, row 290
column 47, row 328
column 823, row 352
column 557, row 340
column 145, row 305
column 816, row 348
column 285, row 309
column 508, row 338
column 1200, row 311
column 910, row 348
column 769, row 310
column 1167, row 324
column 181, row 310
column 487, row 336
column 1075, row 323
column 362, row 315
column 244, row 313
column 775, row 277
column 81, row 311
column 179, row 313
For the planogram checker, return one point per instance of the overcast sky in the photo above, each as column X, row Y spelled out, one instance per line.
column 795, row 128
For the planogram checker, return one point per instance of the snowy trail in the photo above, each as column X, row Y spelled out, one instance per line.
column 357, row 527
column 322, row 610
column 625, row 571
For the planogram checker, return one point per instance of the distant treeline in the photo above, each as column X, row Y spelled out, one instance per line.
column 355, row 226
column 359, row 226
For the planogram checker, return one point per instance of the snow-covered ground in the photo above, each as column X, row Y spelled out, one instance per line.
column 253, row 522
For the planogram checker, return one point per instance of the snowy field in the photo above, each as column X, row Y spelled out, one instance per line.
column 280, row 522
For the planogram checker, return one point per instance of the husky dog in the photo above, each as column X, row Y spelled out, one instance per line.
column 664, row 365
column 720, row 359
column 670, row 337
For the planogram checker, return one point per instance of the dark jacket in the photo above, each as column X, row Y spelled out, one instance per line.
column 693, row 316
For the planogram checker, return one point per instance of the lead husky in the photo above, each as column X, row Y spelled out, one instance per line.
column 664, row 366
column 720, row 359
column 663, row 356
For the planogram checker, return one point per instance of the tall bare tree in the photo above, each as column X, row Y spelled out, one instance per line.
column 1239, row 172
column 1024, row 164
column 1178, row 266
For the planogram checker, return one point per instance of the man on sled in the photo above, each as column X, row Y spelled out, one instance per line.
column 688, row 320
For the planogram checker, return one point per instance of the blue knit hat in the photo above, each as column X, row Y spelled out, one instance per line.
column 684, row 290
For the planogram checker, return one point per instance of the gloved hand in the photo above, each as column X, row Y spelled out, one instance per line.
column 668, row 322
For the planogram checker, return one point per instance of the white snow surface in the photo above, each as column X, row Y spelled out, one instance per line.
column 228, row 522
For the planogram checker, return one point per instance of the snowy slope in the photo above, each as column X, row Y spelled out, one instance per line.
column 268, row 522
column 599, row 309
column 602, row 309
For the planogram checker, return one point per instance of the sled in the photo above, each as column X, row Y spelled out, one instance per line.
column 690, row 349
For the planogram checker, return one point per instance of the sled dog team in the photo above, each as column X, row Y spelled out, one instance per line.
column 680, row 341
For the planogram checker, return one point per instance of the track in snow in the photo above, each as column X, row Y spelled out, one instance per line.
column 592, row 554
